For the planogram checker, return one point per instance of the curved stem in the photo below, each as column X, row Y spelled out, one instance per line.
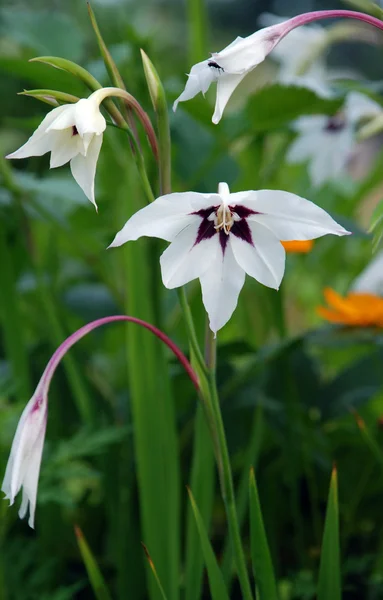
column 226, row 480
column 317, row 15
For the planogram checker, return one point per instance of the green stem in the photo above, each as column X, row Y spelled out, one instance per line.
column 191, row 330
column 226, row 482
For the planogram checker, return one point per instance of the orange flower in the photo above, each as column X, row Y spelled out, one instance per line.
column 356, row 309
column 298, row 246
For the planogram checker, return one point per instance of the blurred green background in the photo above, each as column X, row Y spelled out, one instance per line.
column 288, row 380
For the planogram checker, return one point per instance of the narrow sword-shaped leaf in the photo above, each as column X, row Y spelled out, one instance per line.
column 216, row 582
column 95, row 576
column 155, row 574
column 266, row 587
column 329, row 583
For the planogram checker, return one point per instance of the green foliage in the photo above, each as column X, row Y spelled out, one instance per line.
column 329, row 583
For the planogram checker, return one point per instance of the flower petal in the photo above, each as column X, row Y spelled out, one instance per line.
column 245, row 54
column 371, row 278
column 88, row 117
column 199, row 80
column 64, row 119
column 31, row 478
column 184, row 260
column 225, row 87
column 40, row 141
column 165, row 217
column 359, row 105
column 221, row 284
column 288, row 216
column 264, row 259
column 64, row 147
column 84, row 168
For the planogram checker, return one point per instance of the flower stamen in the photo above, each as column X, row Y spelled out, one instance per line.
column 224, row 219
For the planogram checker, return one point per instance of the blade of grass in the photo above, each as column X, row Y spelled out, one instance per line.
column 266, row 587
column 216, row 583
column 197, row 19
column 95, row 576
column 202, row 482
column 155, row 574
column 251, row 459
column 329, row 583
column 368, row 438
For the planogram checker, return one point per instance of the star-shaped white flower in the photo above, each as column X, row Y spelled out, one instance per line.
column 71, row 133
column 24, row 462
column 218, row 238
column 230, row 66
column 329, row 142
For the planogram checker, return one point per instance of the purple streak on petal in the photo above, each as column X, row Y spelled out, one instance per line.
column 80, row 333
column 206, row 229
column 241, row 230
column 243, row 212
column 223, row 239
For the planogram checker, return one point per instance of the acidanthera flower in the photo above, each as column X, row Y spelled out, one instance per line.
column 356, row 309
column 328, row 143
column 218, row 238
column 230, row 66
column 71, row 133
column 24, row 462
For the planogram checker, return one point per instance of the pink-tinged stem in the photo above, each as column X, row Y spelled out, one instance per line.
column 80, row 333
column 331, row 14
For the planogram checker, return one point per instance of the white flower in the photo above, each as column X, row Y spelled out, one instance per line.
column 329, row 142
column 230, row 66
column 370, row 280
column 72, row 132
column 218, row 238
column 23, row 466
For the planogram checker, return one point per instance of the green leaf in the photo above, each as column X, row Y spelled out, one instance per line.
column 154, row 571
column 52, row 97
column 260, row 553
column 95, row 576
column 376, row 227
column 277, row 105
column 216, row 582
column 329, row 584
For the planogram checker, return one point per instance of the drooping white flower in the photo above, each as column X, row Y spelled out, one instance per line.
column 218, row 238
column 23, row 466
column 71, row 133
column 370, row 280
column 328, row 143
column 230, row 66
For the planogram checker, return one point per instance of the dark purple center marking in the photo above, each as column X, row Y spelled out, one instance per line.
column 239, row 228
column 335, row 124
column 74, row 130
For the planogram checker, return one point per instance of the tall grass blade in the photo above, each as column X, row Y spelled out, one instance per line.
column 216, row 582
column 96, row 579
column 329, row 583
column 155, row 574
column 266, row 586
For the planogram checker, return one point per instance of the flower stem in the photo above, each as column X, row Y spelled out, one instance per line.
column 192, row 335
column 226, row 478
column 316, row 15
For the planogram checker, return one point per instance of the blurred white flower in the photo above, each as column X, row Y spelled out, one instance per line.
column 218, row 238
column 23, row 466
column 370, row 280
column 328, row 143
column 72, row 132
column 230, row 66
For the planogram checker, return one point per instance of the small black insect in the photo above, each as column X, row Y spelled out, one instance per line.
column 213, row 64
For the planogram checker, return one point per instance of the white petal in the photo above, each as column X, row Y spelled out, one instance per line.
column 41, row 140
column 84, row 168
column 221, row 284
column 332, row 155
column 370, row 279
column 165, row 217
column 247, row 53
column 359, row 105
column 64, row 120
column 288, row 216
column 264, row 260
column 64, row 147
column 225, row 87
column 31, row 479
column 88, row 117
column 199, row 80
column 184, row 260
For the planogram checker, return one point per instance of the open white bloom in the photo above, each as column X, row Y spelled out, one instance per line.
column 370, row 280
column 329, row 142
column 230, row 66
column 23, row 466
column 218, row 238
column 72, row 132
